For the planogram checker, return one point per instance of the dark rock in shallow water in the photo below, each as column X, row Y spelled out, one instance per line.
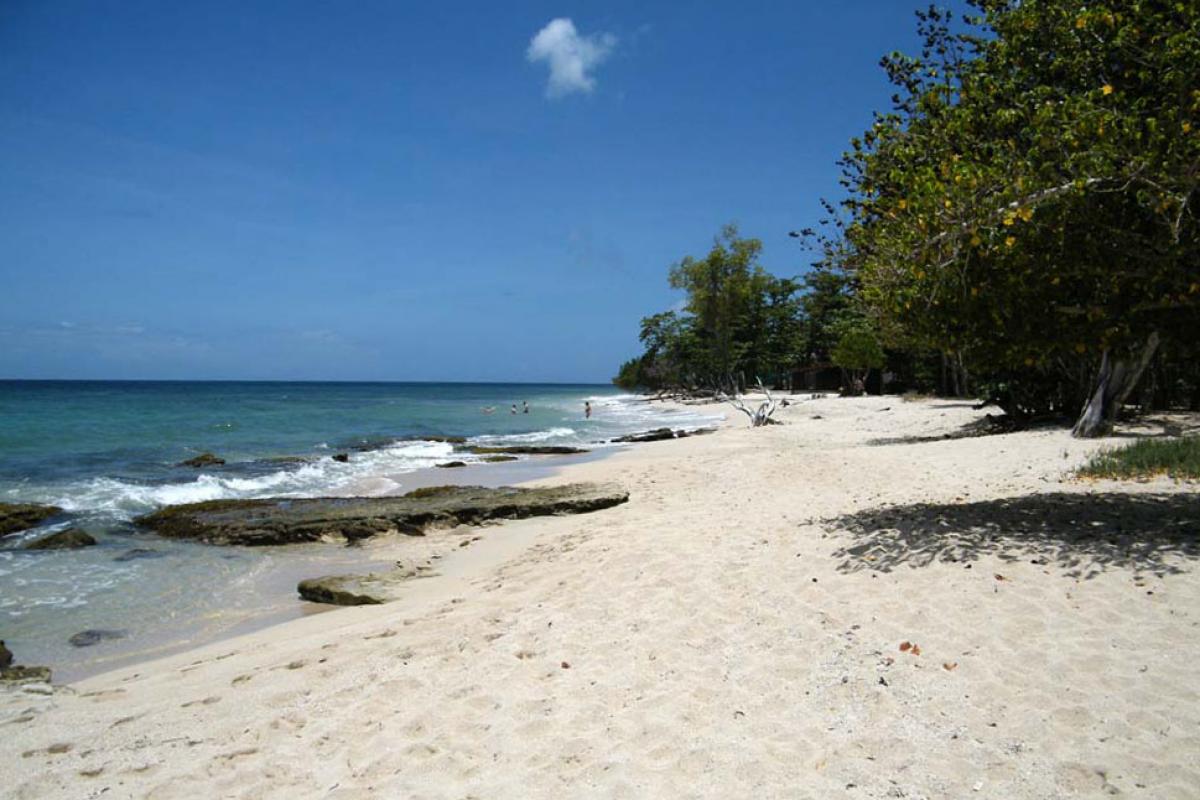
column 452, row 464
column 94, row 636
column 6, row 656
column 349, row 590
column 525, row 450
column 202, row 460
column 138, row 553
column 659, row 434
column 656, row 435
column 69, row 539
column 341, row 457
column 16, row 675
column 19, row 516
column 287, row 520
column 359, row 590
column 498, row 459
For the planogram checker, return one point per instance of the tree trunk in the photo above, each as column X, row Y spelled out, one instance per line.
column 1116, row 379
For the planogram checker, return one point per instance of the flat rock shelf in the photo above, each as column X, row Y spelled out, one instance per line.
column 278, row 521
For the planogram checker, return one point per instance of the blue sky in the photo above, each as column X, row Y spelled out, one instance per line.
column 401, row 191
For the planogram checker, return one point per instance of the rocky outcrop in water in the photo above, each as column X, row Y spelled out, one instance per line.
column 21, row 675
column 20, row 516
column 69, row 539
column 202, row 460
column 358, row 590
column 341, row 457
column 452, row 464
column 292, row 520
column 13, row 674
column 498, row 459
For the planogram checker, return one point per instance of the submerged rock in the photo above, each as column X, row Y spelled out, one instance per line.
column 94, row 636
column 452, row 464
column 137, row 553
column 20, row 516
column 287, row 520
column 525, row 450
column 68, row 539
column 202, row 460
column 341, row 457
column 498, row 459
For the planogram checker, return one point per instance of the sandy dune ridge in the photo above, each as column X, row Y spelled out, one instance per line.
column 735, row 630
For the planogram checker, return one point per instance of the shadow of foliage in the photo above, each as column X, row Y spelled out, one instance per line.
column 985, row 426
column 1159, row 426
column 1082, row 534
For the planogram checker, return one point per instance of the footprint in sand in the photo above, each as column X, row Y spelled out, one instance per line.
column 52, row 750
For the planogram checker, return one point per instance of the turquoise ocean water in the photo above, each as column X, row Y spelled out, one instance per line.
column 107, row 451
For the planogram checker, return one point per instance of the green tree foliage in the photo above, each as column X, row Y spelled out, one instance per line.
column 738, row 321
column 857, row 351
column 1028, row 204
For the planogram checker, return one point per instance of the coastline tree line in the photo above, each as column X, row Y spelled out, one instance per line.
column 1020, row 225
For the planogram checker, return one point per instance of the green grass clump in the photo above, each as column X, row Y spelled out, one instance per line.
column 1148, row 458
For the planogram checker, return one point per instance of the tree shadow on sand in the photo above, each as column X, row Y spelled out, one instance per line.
column 1082, row 534
column 985, row 426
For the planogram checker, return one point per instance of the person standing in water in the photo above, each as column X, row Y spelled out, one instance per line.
column 587, row 409
column 525, row 405
column 514, row 408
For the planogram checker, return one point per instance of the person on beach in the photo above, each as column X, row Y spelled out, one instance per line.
column 525, row 405
column 587, row 409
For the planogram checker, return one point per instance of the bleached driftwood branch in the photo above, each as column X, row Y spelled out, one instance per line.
column 758, row 417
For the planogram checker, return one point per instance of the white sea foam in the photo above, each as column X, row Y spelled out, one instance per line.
column 525, row 438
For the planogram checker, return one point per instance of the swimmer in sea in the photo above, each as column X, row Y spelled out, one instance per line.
column 587, row 409
column 525, row 405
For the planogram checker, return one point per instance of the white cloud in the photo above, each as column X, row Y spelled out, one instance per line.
column 571, row 57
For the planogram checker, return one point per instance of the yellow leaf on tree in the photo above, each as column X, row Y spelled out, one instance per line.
column 1107, row 89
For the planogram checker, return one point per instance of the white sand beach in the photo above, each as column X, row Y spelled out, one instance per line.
column 736, row 629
